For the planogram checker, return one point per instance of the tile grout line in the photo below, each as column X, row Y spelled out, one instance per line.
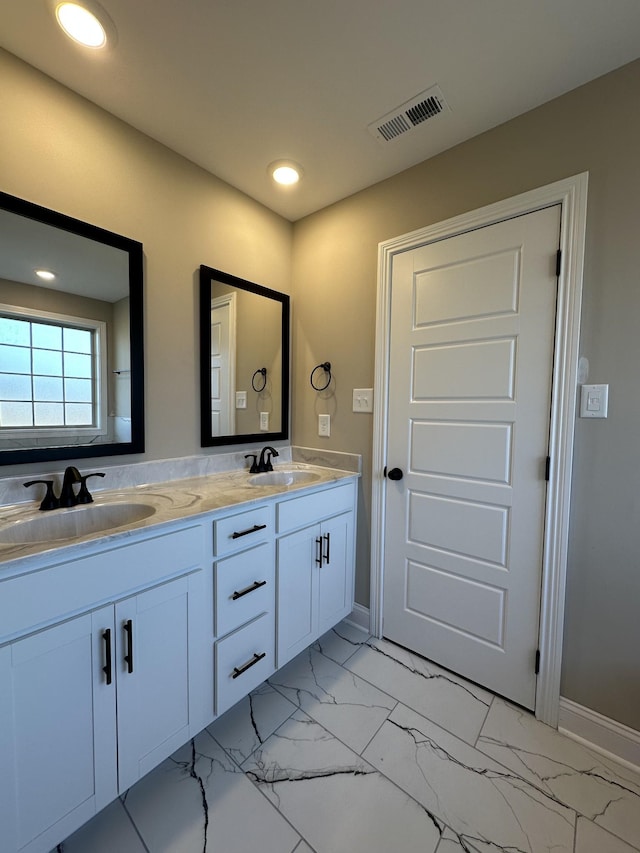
column 440, row 823
column 418, row 675
column 301, row 837
column 122, row 799
column 475, row 745
column 484, row 722
column 364, row 748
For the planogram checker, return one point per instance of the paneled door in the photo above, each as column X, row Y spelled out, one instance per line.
column 223, row 365
column 472, row 340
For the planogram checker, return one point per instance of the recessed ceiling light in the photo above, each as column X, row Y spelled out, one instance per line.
column 85, row 22
column 46, row 275
column 285, row 172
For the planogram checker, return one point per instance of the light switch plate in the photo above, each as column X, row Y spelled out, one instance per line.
column 241, row 399
column 594, row 401
column 363, row 399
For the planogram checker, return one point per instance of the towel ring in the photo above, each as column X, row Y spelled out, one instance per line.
column 326, row 366
column 263, row 372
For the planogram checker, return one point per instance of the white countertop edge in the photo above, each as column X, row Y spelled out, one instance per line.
column 175, row 501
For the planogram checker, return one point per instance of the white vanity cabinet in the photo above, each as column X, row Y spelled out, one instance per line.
column 89, row 703
column 315, row 566
column 115, row 653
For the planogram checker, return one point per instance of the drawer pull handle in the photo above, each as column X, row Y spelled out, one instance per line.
column 327, row 538
column 128, row 630
column 253, row 529
column 238, row 670
column 106, row 636
column 254, row 586
column 319, row 551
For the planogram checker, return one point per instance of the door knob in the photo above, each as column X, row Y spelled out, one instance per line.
column 395, row 474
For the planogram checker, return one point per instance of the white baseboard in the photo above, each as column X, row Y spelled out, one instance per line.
column 360, row 616
column 603, row 735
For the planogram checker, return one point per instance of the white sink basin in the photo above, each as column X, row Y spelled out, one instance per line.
column 57, row 524
column 283, row 478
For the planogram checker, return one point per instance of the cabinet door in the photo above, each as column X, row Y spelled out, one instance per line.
column 57, row 732
column 152, row 654
column 335, row 575
column 298, row 554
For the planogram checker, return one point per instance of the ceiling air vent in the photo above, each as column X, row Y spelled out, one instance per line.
column 409, row 116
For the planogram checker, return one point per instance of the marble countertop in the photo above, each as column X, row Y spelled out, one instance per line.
column 170, row 501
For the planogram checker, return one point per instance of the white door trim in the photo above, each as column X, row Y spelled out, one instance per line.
column 571, row 194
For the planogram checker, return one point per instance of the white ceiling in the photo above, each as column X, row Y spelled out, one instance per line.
column 236, row 84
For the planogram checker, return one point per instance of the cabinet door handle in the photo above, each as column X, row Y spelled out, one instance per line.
column 253, row 529
column 106, row 636
column 254, row 586
column 319, row 551
column 238, row 670
column 128, row 630
column 327, row 539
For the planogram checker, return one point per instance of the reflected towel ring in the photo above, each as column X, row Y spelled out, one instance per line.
column 326, row 366
column 263, row 372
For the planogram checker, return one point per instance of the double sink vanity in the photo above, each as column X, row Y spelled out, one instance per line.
column 128, row 624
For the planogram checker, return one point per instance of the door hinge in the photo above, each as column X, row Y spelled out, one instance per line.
column 537, row 661
column 547, row 468
column 558, row 262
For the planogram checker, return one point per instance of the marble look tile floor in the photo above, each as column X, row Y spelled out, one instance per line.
column 358, row 745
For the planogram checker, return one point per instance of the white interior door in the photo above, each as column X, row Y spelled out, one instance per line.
column 472, row 337
column 223, row 365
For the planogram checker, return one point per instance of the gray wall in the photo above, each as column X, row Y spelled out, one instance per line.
column 61, row 151
column 597, row 129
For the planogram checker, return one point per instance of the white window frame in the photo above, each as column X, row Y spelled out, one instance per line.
column 99, row 327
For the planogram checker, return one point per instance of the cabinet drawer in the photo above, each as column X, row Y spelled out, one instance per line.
column 244, row 587
column 305, row 510
column 242, row 530
column 244, row 660
column 33, row 600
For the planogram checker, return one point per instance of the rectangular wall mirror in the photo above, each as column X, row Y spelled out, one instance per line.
column 244, row 360
column 71, row 337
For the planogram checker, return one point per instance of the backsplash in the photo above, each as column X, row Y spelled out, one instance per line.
column 328, row 458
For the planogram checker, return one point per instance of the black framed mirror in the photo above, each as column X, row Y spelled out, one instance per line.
column 71, row 337
column 244, row 360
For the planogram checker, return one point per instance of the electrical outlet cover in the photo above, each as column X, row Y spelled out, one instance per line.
column 324, row 425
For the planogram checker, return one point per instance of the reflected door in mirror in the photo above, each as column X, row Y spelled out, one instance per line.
column 223, row 365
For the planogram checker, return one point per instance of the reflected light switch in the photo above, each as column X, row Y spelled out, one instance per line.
column 594, row 401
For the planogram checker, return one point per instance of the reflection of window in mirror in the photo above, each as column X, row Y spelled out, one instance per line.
column 52, row 380
column 71, row 363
